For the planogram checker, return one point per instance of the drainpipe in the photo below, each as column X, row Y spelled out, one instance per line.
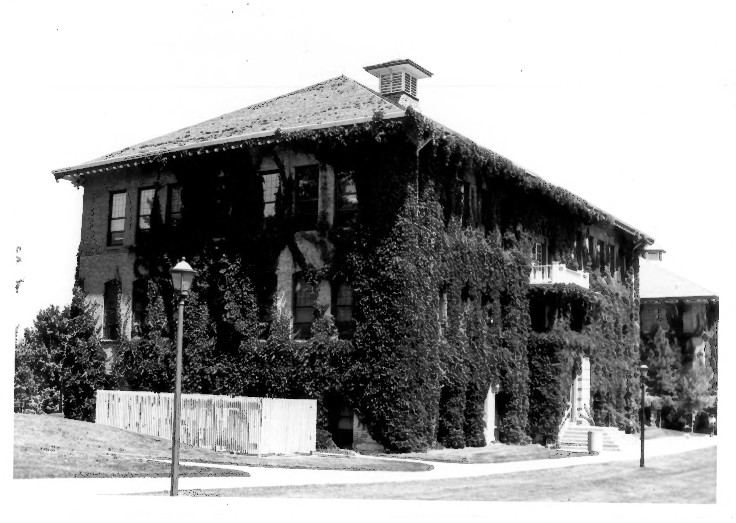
column 419, row 148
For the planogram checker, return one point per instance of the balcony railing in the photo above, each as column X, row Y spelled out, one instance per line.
column 558, row 273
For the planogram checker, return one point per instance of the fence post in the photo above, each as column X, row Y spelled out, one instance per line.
column 260, row 427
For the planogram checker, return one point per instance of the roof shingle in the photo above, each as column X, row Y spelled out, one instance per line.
column 333, row 101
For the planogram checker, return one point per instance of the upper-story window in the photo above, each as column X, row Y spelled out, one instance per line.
column 174, row 207
column 600, row 255
column 343, row 310
column 116, row 227
column 111, row 304
column 539, row 253
column 145, row 208
column 346, row 197
column 271, row 183
column 590, row 251
column 611, row 258
column 307, row 196
column 579, row 256
column 305, row 297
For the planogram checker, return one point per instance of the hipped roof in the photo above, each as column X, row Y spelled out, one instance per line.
column 340, row 101
column 659, row 283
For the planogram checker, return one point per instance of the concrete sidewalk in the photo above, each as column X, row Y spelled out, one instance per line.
column 270, row 477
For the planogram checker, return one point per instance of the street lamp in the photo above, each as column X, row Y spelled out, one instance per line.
column 182, row 276
column 642, row 374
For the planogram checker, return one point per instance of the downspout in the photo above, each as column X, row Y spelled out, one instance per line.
column 416, row 173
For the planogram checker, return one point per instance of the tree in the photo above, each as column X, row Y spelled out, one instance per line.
column 664, row 369
column 60, row 359
column 696, row 388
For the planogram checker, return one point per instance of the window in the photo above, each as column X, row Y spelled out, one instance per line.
column 305, row 296
column 612, row 258
column 346, row 197
column 579, row 257
column 600, row 255
column 307, row 196
column 111, row 327
column 466, row 203
column 591, row 251
column 140, row 301
column 539, row 253
column 145, row 208
column 343, row 311
column 469, row 203
column 173, row 217
column 116, row 229
column 271, row 183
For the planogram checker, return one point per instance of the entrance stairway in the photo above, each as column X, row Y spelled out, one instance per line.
column 575, row 438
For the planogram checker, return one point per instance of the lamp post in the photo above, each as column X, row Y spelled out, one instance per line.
column 182, row 276
column 642, row 374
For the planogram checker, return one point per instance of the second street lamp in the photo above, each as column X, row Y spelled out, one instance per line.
column 642, row 375
column 182, row 276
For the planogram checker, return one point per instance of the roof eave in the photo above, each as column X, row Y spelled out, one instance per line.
column 69, row 173
column 673, row 299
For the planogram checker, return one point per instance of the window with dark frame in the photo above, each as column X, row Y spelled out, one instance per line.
column 139, row 303
column 271, row 183
column 145, row 208
column 579, row 257
column 307, row 196
column 467, row 204
column 111, row 306
column 601, row 255
column 539, row 253
column 346, row 197
column 343, row 310
column 174, row 207
column 116, row 228
column 305, row 297
column 612, row 258
column 591, row 251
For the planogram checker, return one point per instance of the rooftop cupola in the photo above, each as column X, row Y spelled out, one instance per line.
column 398, row 80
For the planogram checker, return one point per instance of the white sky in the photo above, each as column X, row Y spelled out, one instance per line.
column 631, row 105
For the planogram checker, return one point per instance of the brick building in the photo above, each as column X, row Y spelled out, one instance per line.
column 127, row 190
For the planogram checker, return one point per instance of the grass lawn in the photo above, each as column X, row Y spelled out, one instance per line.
column 49, row 446
column 656, row 433
column 681, row 478
column 496, row 453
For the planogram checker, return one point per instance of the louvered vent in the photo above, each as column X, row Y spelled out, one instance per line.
column 395, row 82
column 411, row 84
column 385, row 84
column 398, row 80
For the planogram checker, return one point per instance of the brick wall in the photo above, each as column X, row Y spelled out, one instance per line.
column 100, row 263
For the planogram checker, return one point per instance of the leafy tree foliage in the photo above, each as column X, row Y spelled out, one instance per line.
column 60, row 362
column 695, row 389
column 664, row 371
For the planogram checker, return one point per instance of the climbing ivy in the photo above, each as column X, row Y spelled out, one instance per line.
column 413, row 376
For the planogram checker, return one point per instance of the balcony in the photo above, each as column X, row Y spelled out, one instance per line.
column 558, row 273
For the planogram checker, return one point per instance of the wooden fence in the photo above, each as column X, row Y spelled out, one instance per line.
column 236, row 424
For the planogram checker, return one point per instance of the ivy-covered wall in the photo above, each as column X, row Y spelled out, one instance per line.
column 440, row 281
